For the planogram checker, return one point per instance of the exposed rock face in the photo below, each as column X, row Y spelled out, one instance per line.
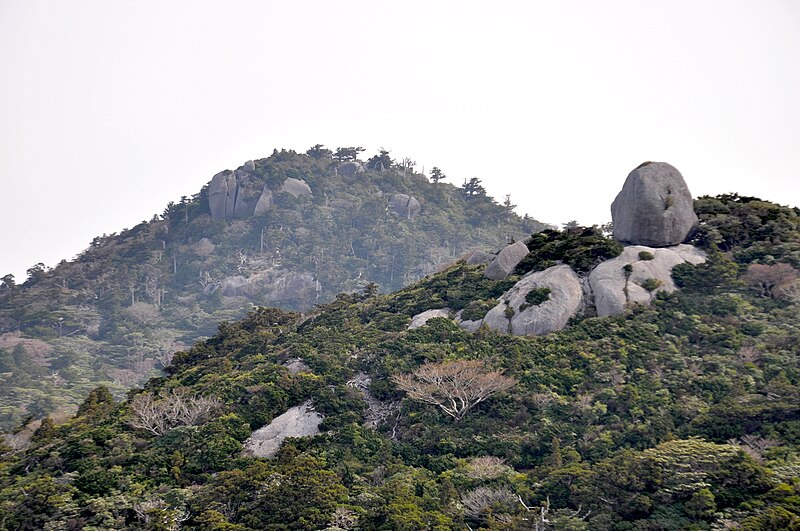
column 350, row 168
column 506, row 260
column 654, row 207
column 615, row 289
column 222, row 195
column 299, row 421
column 421, row 318
column 466, row 324
column 296, row 366
column 479, row 258
column 248, row 189
column 565, row 301
column 405, row 205
column 264, row 202
column 296, row 187
column 292, row 286
column 242, row 194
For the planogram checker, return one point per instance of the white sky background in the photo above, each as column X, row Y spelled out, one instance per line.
column 111, row 109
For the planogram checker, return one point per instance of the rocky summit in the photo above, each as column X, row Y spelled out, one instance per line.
column 654, row 207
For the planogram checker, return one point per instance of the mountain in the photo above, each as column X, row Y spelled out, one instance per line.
column 291, row 230
column 677, row 413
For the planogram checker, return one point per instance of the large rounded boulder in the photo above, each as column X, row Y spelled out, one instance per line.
column 540, row 303
column 654, row 207
column 637, row 275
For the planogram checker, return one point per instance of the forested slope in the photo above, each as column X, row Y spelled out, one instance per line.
column 680, row 415
column 116, row 313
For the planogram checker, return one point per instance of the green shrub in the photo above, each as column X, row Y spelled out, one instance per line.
column 651, row 284
column 477, row 310
column 581, row 248
column 645, row 255
column 535, row 297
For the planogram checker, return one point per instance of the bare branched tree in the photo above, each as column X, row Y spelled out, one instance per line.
column 771, row 279
column 487, row 467
column 479, row 502
column 159, row 415
column 454, row 386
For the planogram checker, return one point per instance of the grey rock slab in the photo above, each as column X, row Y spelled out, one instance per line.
column 299, row 421
column 264, row 202
column 296, row 187
column 222, row 195
column 615, row 289
column 349, row 169
column 654, row 207
column 565, row 301
column 292, row 286
column 506, row 260
column 249, row 166
column 479, row 258
column 422, row 318
column 296, row 366
column 405, row 205
column 466, row 324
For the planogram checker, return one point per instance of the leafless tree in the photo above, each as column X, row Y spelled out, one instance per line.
column 480, row 501
column 454, row 386
column 159, row 415
column 344, row 519
column 771, row 279
column 754, row 446
column 142, row 313
column 487, row 467
column 792, row 292
column 158, row 512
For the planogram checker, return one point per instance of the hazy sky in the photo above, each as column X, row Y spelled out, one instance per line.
column 111, row 109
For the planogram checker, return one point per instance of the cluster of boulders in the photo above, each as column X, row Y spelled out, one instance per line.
column 241, row 194
column 652, row 216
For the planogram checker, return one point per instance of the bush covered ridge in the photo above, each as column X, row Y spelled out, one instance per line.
column 681, row 415
column 116, row 313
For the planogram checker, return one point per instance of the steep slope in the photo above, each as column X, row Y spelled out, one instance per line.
column 679, row 415
column 291, row 230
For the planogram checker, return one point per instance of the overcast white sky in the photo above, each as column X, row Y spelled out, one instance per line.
column 111, row 109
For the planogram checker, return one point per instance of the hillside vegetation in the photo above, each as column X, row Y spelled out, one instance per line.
column 681, row 415
column 115, row 314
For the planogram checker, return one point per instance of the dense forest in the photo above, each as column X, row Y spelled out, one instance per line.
column 681, row 415
column 116, row 313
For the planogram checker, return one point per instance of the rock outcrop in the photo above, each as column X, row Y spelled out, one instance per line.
column 299, row 421
column 295, row 187
column 478, row 258
column 506, row 260
column 242, row 194
column 292, row 286
column 635, row 278
column 517, row 315
column 264, row 202
column 222, row 195
column 405, row 205
column 350, row 169
column 654, row 207
column 421, row 318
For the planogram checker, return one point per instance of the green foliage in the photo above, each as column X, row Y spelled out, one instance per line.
column 680, row 415
column 582, row 248
column 116, row 314
column 645, row 255
column 537, row 296
column 651, row 284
